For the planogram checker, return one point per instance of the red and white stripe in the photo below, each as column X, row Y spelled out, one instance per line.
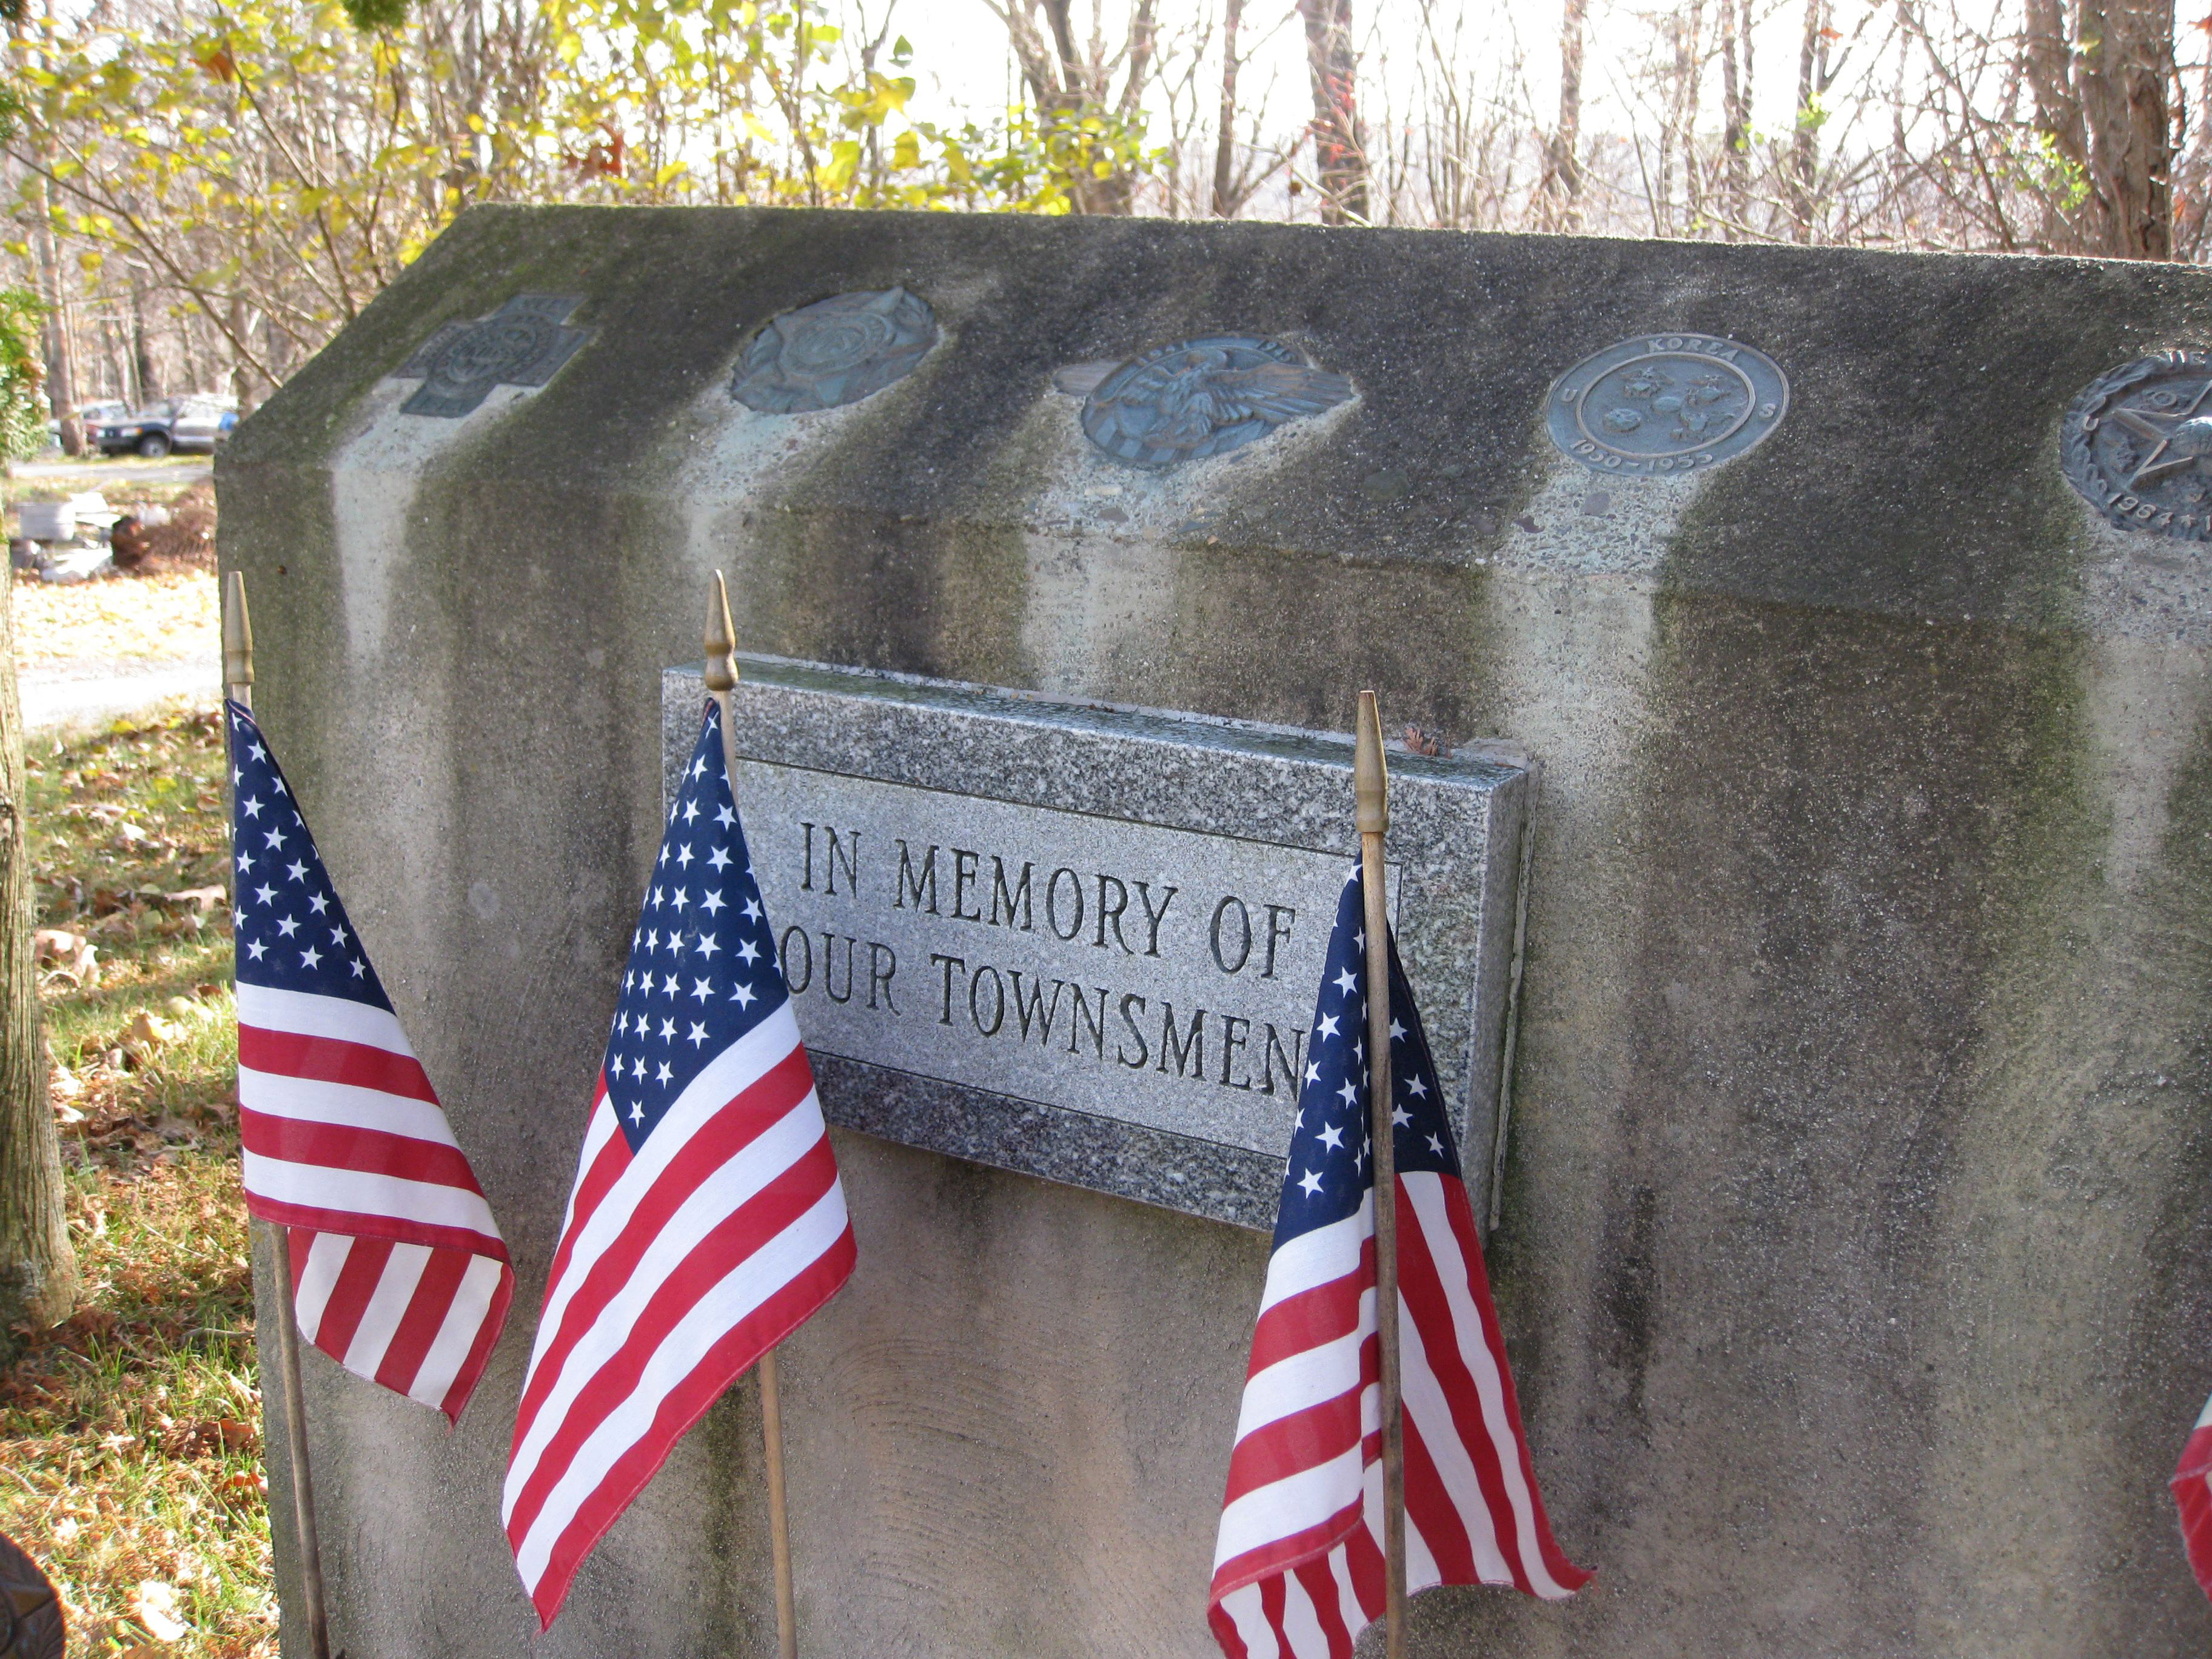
column 2192, row 1493
column 399, row 1272
column 1298, row 1570
column 679, row 1266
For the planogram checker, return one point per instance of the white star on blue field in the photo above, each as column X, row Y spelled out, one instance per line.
column 292, row 933
column 1330, row 1170
column 702, row 969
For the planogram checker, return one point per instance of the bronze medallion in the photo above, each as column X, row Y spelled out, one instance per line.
column 2137, row 445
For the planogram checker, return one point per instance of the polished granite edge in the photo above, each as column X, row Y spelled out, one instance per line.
column 1215, row 778
column 1127, row 1160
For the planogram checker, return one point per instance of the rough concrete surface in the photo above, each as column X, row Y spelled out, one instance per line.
column 1855, row 1251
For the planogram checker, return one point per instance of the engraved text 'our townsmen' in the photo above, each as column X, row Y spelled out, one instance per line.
column 1146, row 973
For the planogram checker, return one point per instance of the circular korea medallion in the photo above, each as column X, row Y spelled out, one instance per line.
column 1665, row 404
column 2137, row 445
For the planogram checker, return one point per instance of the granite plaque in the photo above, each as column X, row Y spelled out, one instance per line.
column 1085, row 942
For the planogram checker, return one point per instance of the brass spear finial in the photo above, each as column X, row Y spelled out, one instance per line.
column 238, row 643
column 721, row 639
column 1371, row 783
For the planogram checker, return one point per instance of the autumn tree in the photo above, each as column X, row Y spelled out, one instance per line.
column 2100, row 70
column 1339, row 145
column 1088, row 90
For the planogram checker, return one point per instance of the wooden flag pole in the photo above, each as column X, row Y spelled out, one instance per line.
column 721, row 680
column 237, row 684
column 1370, row 790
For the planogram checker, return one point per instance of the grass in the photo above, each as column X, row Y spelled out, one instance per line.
column 120, row 477
column 129, row 1457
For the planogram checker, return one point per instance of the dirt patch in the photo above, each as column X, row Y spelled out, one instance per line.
column 184, row 543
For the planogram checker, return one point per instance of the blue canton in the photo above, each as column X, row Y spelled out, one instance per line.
column 1330, row 1173
column 292, row 933
column 702, row 969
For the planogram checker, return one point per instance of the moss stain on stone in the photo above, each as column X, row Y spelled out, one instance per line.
column 942, row 599
column 1407, row 630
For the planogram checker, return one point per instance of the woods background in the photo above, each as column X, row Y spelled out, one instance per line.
column 203, row 192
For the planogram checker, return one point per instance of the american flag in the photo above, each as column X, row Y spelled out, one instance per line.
column 399, row 1272
column 2192, row 1492
column 706, row 1223
column 1297, row 1565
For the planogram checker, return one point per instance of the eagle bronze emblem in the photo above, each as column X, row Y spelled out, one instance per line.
column 1196, row 397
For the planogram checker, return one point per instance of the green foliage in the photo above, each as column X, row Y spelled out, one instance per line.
column 2042, row 169
column 377, row 14
column 22, row 410
column 1032, row 163
column 284, row 160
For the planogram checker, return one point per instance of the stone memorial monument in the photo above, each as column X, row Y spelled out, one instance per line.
column 1803, row 856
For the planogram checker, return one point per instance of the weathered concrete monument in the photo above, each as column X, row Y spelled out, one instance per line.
column 1811, row 897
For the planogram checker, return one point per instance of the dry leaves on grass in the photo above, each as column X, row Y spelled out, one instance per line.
column 130, row 1455
column 164, row 618
column 132, row 1431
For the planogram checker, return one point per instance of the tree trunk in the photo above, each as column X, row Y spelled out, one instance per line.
column 148, row 382
column 2058, row 111
column 1690, row 72
column 1340, row 155
column 38, row 1268
column 241, row 374
column 1563, row 170
column 1662, row 202
column 1736, row 113
column 188, row 342
column 1804, row 152
column 60, row 353
column 2125, row 68
column 2100, row 93
column 1224, row 142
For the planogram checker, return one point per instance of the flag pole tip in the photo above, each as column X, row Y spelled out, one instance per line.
column 1370, row 787
column 237, row 637
column 721, row 638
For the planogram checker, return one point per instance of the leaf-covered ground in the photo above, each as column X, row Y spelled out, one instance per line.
column 164, row 618
column 130, row 1455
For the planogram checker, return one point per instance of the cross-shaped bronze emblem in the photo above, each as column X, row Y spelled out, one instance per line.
column 522, row 343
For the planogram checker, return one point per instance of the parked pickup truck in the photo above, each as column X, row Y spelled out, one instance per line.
column 199, row 422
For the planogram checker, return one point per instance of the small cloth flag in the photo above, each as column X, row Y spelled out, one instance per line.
column 706, row 1223
column 1297, row 1566
column 399, row 1272
column 2192, row 1492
